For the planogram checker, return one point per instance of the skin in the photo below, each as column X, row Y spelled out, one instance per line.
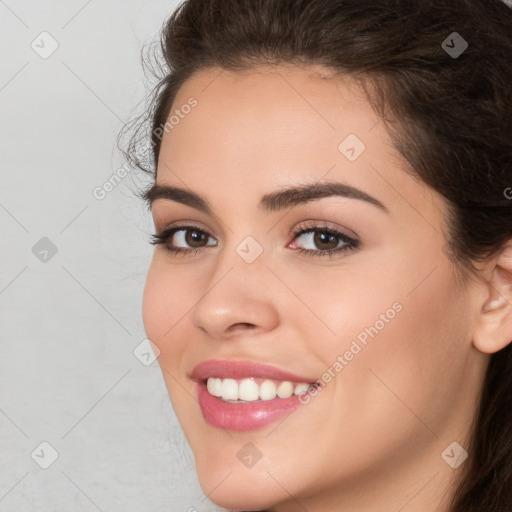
column 374, row 435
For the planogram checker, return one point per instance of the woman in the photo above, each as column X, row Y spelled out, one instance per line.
column 331, row 288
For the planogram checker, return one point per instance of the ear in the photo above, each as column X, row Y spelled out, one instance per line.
column 494, row 327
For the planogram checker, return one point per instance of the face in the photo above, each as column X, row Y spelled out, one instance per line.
column 347, row 284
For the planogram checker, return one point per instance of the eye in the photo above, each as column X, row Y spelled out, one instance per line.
column 190, row 238
column 318, row 240
column 323, row 241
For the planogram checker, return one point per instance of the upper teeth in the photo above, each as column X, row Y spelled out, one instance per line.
column 249, row 390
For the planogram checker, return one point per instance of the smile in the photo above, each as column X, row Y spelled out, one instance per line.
column 242, row 396
column 252, row 389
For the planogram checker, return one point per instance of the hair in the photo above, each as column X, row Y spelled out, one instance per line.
column 449, row 116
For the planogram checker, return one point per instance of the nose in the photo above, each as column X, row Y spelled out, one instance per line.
column 237, row 301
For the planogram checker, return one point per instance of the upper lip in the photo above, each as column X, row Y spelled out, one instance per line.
column 238, row 369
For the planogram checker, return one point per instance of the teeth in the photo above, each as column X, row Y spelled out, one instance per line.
column 229, row 389
column 300, row 388
column 285, row 389
column 248, row 390
column 215, row 386
column 268, row 390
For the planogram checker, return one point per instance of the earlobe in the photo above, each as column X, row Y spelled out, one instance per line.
column 494, row 327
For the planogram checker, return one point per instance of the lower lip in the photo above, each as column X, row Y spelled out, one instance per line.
column 245, row 416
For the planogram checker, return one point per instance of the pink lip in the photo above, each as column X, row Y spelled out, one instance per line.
column 225, row 369
column 245, row 416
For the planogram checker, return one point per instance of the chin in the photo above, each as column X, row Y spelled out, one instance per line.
column 238, row 489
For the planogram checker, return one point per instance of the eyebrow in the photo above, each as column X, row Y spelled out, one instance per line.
column 274, row 201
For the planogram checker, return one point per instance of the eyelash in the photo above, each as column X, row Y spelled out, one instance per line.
column 351, row 243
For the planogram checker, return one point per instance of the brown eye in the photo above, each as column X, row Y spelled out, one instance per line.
column 325, row 240
column 183, row 239
column 322, row 241
column 195, row 238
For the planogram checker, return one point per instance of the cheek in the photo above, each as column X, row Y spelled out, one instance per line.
column 403, row 356
column 398, row 326
column 170, row 294
column 162, row 305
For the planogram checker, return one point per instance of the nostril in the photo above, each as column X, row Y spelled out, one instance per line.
column 242, row 324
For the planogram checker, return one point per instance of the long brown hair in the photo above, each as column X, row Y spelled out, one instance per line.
column 454, row 112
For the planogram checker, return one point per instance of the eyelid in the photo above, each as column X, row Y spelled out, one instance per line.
column 323, row 224
column 183, row 224
column 294, row 231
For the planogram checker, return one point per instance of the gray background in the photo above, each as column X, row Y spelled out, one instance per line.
column 70, row 321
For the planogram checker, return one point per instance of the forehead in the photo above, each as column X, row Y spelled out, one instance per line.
column 268, row 115
column 261, row 129
column 289, row 99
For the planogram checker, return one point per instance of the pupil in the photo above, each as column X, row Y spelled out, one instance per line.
column 323, row 238
column 194, row 237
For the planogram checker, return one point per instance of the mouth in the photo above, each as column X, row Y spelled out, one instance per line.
column 253, row 389
column 242, row 396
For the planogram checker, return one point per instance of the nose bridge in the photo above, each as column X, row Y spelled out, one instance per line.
column 245, row 251
column 236, row 293
column 240, row 269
